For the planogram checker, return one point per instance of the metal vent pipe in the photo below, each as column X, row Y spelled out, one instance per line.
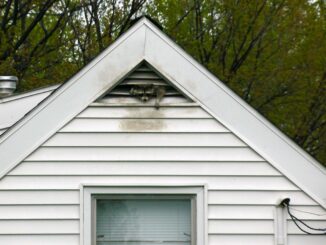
column 8, row 85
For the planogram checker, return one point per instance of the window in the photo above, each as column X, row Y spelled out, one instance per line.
column 143, row 220
column 143, row 215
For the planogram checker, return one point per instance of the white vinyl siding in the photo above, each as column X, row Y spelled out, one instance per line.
column 141, row 145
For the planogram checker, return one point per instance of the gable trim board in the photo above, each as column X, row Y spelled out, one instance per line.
column 145, row 42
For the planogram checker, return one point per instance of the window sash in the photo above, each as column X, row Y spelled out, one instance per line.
column 159, row 197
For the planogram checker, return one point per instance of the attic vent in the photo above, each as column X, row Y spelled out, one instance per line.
column 144, row 85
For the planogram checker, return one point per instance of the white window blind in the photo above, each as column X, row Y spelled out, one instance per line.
column 143, row 221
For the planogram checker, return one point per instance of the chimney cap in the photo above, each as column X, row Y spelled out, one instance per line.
column 8, row 85
column 13, row 78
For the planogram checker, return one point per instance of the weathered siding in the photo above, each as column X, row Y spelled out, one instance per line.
column 39, row 199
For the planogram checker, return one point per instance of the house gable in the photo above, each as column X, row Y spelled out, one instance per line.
column 135, row 144
column 145, row 42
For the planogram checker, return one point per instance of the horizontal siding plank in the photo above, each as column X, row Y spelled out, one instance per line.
column 146, row 168
column 293, row 229
column 306, row 240
column 186, row 103
column 240, row 212
column 144, row 112
column 213, row 182
column 144, row 125
column 39, row 212
column 120, row 101
column 39, row 239
column 258, row 197
column 241, row 227
column 38, row 197
column 143, row 154
column 254, row 226
column 250, row 183
column 144, row 139
column 243, row 212
column 39, row 226
column 232, row 239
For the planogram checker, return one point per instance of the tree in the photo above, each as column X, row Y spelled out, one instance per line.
column 31, row 39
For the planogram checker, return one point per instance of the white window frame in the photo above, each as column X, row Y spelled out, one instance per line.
column 89, row 194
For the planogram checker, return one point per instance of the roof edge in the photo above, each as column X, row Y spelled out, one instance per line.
column 174, row 74
column 237, row 98
column 93, row 80
column 23, row 95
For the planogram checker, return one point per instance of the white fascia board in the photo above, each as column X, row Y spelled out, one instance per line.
column 200, row 85
column 72, row 97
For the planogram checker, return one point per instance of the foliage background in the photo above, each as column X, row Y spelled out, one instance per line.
column 270, row 52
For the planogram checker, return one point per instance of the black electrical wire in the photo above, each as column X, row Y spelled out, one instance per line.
column 296, row 220
column 311, row 228
column 286, row 203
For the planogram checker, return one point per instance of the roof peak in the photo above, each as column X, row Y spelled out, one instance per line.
column 146, row 19
column 144, row 41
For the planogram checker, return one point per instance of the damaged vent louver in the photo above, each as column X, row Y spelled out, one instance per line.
column 146, row 86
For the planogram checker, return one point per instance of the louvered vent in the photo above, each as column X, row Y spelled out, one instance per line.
column 144, row 85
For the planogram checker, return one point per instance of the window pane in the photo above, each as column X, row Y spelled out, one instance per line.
column 143, row 221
